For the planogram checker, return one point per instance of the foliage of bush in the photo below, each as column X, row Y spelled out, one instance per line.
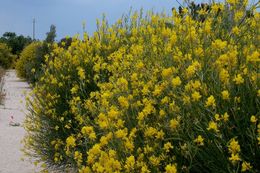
column 143, row 96
column 6, row 57
column 27, row 64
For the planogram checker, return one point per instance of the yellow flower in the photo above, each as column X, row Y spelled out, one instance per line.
column 167, row 147
column 217, row 117
column 129, row 163
column 123, row 102
column 134, row 77
column 167, row 72
column 74, row 89
column 245, row 166
column 196, row 96
column 235, row 30
column 122, row 83
column 171, row 168
column 81, row 73
column 162, row 113
column 86, row 130
column 225, row 95
column 78, row 157
column 219, row 44
column 140, row 65
column 224, row 75
column 121, row 133
column 145, row 169
column 195, row 66
column 155, row 161
column 225, row 117
column 238, row 79
column 176, row 81
column 33, row 70
column 254, row 57
column 211, row 101
column 234, row 158
column 253, row 119
column 233, row 146
column 71, row 141
column 85, row 170
column 174, row 123
column 199, row 140
column 157, row 90
column 150, row 132
column 213, row 126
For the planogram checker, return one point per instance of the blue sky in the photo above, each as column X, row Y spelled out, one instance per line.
column 68, row 15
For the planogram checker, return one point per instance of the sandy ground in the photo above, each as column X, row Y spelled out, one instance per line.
column 10, row 137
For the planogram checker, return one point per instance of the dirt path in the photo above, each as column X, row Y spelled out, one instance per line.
column 10, row 137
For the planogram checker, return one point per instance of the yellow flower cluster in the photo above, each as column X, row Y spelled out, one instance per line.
column 154, row 94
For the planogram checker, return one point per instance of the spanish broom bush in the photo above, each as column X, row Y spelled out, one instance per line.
column 153, row 93
column 6, row 56
column 27, row 65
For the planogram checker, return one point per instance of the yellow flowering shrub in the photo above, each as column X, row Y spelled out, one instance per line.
column 6, row 57
column 153, row 94
column 27, row 63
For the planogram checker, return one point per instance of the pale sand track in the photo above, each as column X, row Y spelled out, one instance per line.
column 10, row 137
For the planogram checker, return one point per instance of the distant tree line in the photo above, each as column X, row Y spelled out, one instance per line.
column 15, row 42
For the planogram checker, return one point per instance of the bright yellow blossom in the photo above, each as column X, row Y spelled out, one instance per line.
column 167, row 72
column 233, row 146
column 195, row 96
column 253, row 119
column 123, row 102
column 71, row 141
column 171, row 168
column 199, row 140
column 234, row 158
column 176, row 81
column 174, row 123
column 167, row 147
column 129, row 164
column 210, row 101
column 225, row 117
column 213, row 126
column 246, row 167
column 81, row 73
column 225, row 95
column 238, row 79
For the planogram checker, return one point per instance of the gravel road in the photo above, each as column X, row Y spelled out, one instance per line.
column 10, row 136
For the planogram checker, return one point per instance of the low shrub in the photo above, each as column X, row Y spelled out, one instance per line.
column 27, row 66
column 153, row 94
column 6, row 57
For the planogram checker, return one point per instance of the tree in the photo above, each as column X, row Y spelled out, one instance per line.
column 16, row 43
column 51, row 35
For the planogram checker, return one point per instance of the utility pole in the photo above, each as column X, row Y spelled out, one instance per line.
column 33, row 28
column 84, row 27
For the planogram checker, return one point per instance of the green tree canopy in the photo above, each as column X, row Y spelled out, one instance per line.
column 15, row 42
